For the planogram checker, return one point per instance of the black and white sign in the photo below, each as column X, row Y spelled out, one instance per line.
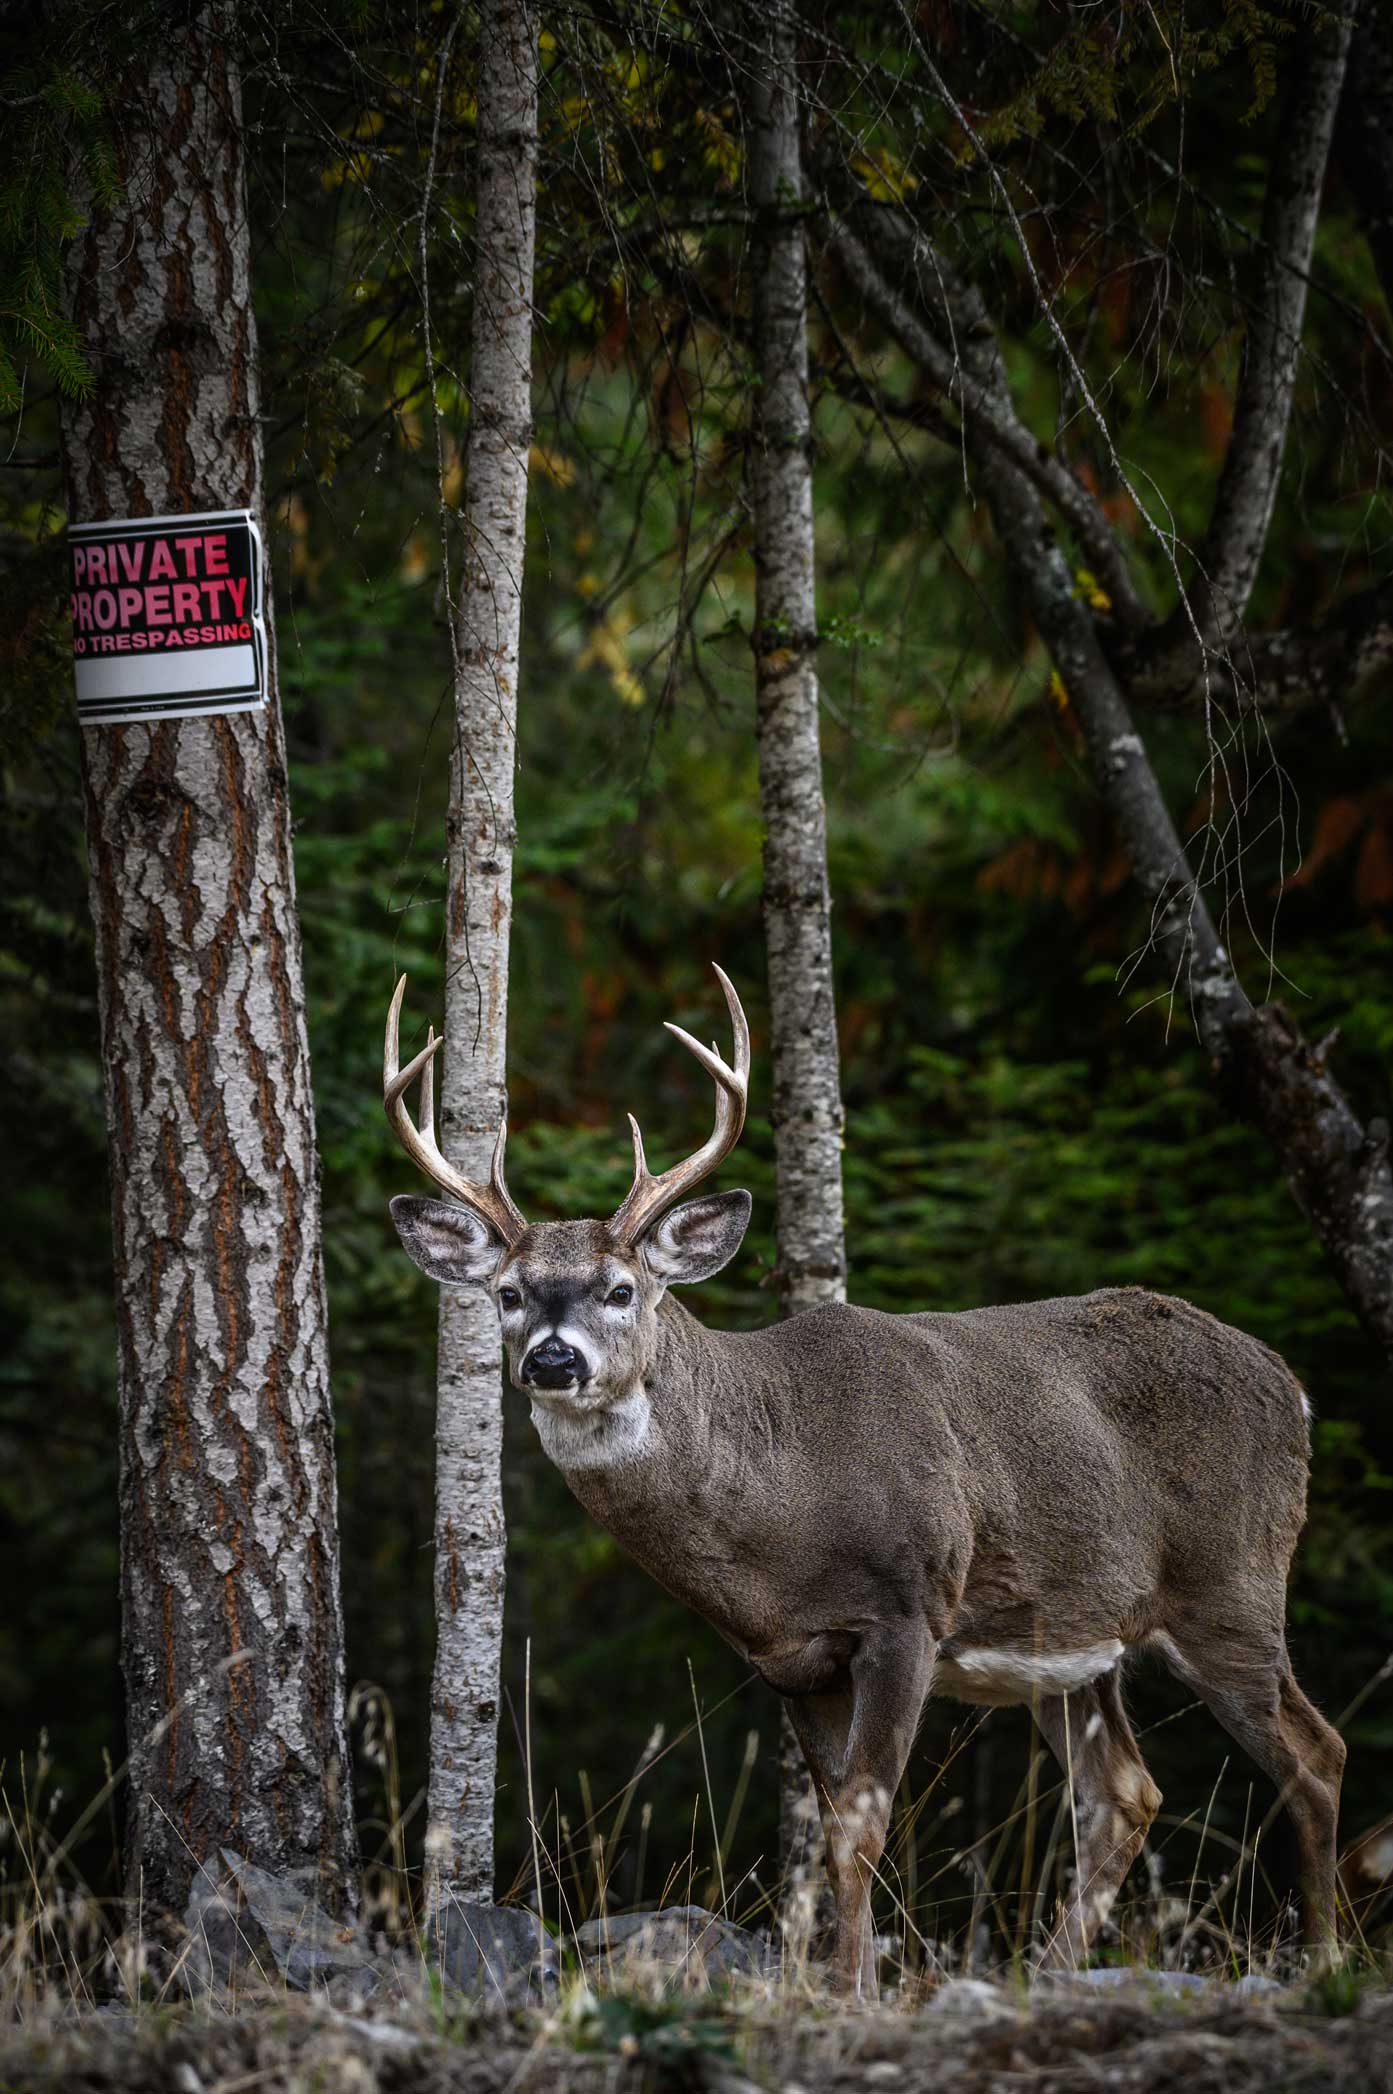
column 167, row 617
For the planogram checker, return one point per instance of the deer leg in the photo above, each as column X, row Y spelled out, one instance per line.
column 1114, row 1802
column 1254, row 1696
column 857, row 1746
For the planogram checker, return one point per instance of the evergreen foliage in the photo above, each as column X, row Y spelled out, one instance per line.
column 1028, row 1112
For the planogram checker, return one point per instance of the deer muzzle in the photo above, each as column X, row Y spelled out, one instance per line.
column 554, row 1365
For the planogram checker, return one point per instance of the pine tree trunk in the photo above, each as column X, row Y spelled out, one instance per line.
column 232, row 1629
column 469, row 1537
column 807, row 1104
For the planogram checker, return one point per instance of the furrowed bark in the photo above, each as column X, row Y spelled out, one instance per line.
column 1338, row 1170
column 232, row 1632
column 1232, row 551
column 469, row 1530
column 807, row 1101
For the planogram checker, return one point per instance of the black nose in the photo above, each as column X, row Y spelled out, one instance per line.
column 552, row 1364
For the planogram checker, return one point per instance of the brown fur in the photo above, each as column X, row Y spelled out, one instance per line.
column 852, row 1498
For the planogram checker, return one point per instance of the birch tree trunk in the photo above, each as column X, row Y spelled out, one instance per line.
column 469, row 1531
column 232, row 1631
column 807, row 1102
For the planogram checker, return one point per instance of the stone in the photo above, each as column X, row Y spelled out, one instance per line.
column 689, row 1943
column 972, row 1997
column 500, row 1953
column 1117, row 1977
column 249, row 1925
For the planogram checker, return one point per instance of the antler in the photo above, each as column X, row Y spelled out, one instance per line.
column 650, row 1197
column 493, row 1202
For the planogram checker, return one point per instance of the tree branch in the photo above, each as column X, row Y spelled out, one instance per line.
column 949, row 370
column 1334, row 663
column 1339, row 1173
column 1232, row 551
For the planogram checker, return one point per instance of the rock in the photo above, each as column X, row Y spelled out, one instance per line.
column 972, row 1997
column 493, row 1952
column 386, row 2035
column 250, row 1925
column 691, row 1944
column 225, row 1947
column 1121, row 1976
column 1254, row 1985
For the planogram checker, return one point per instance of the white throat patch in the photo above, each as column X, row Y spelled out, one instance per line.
column 593, row 1439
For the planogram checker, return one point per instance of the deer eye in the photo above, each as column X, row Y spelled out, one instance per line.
column 509, row 1298
column 619, row 1297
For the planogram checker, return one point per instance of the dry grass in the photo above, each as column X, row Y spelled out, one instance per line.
column 85, row 2008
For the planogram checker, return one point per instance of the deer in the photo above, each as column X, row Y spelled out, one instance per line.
column 998, row 1505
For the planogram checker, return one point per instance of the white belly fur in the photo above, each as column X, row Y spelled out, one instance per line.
column 1000, row 1678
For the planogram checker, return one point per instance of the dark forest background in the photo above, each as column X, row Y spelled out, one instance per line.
column 1027, row 1108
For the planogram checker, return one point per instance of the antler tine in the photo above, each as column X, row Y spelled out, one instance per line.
column 492, row 1202
column 650, row 1197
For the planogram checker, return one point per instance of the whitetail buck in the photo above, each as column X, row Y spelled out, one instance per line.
column 1000, row 1504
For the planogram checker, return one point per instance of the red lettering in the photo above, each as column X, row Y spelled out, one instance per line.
column 82, row 610
column 104, row 609
column 132, row 557
column 161, row 562
column 238, row 592
column 123, row 643
column 215, row 553
column 213, row 592
column 186, row 604
column 96, row 563
column 130, row 601
column 190, row 548
column 157, row 603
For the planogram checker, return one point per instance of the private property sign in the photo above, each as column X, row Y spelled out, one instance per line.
column 167, row 617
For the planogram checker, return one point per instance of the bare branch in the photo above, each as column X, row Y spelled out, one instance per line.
column 1233, row 546
column 948, row 370
column 1335, row 664
column 1339, row 1172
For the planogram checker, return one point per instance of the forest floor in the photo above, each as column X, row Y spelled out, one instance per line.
column 747, row 2039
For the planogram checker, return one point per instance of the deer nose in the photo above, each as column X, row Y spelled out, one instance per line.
column 552, row 1364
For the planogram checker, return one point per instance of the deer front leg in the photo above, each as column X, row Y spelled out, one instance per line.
column 857, row 1744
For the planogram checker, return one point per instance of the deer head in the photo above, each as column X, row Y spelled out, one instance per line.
column 577, row 1300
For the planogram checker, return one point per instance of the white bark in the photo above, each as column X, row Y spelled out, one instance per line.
column 469, row 1538
column 807, row 1104
column 232, row 1634
column 1233, row 547
column 807, row 1100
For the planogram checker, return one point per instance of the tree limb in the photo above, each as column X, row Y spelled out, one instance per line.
column 1292, row 670
column 1339, row 1172
column 1232, row 551
column 944, row 363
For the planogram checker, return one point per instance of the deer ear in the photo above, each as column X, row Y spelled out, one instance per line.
column 449, row 1242
column 698, row 1238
